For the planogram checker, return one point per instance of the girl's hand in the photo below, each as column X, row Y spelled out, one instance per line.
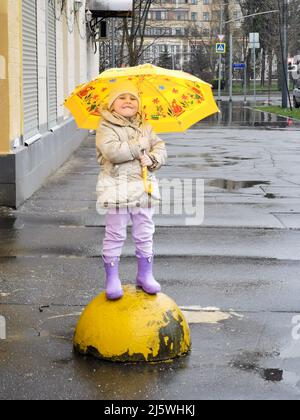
column 146, row 160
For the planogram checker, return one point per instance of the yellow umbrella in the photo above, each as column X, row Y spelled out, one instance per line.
column 171, row 100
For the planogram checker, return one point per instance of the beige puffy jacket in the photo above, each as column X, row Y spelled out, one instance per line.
column 119, row 144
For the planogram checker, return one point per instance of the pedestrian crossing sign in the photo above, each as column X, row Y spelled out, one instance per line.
column 220, row 48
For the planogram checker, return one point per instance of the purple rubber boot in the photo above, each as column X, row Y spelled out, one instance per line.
column 113, row 285
column 145, row 278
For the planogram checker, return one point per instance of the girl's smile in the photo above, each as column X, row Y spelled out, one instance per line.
column 126, row 105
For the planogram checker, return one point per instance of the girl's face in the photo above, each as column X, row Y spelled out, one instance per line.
column 126, row 105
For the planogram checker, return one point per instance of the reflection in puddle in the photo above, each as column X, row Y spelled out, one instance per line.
column 211, row 160
column 237, row 114
column 250, row 362
column 230, row 185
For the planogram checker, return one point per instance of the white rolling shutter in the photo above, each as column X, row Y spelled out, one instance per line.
column 51, row 65
column 30, row 69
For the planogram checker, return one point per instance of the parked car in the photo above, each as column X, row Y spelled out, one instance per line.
column 296, row 95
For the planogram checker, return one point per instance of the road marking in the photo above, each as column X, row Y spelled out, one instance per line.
column 209, row 315
column 2, row 328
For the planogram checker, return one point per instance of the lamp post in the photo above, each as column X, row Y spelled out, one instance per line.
column 284, row 29
column 220, row 58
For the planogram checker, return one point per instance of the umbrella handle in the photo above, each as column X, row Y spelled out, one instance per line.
column 148, row 187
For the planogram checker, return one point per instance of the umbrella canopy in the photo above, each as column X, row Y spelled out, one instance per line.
column 171, row 100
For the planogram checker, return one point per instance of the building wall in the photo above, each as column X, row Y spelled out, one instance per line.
column 4, row 81
column 24, row 167
column 207, row 28
column 10, row 101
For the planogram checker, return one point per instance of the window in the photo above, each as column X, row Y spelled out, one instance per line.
column 194, row 16
column 181, row 15
column 206, row 16
column 206, row 2
column 179, row 32
column 158, row 15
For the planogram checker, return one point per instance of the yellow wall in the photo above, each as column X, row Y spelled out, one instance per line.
column 10, row 86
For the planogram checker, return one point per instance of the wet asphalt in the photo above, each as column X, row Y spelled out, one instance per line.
column 233, row 269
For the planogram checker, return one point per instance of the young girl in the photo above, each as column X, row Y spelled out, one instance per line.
column 124, row 145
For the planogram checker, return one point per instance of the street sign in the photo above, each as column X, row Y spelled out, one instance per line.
column 221, row 37
column 254, row 38
column 239, row 66
column 221, row 48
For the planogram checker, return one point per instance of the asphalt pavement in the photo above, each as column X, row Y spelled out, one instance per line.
column 227, row 251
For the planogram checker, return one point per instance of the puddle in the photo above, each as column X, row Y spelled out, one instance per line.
column 201, row 167
column 273, row 375
column 237, row 158
column 237, row 114
column 230, row 185
column 210, row 160
column 249, row 362
column 270, row 195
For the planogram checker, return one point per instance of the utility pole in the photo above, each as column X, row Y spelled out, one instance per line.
column 231, row 65
column 220, row 59
column 284, row 29
column 254, row 72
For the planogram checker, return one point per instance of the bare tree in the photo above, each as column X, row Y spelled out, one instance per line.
column 294, row 27
column 203, row 60
column 134, row 30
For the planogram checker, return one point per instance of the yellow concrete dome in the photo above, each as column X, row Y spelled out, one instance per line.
column 137, row 328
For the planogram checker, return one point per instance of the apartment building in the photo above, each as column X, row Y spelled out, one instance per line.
column 44, row 55
column 174, row 24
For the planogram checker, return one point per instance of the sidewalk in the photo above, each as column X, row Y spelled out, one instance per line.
column 243, row 261
column 251, row 181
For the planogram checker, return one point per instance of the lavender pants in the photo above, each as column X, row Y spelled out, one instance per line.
column 143, row 229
